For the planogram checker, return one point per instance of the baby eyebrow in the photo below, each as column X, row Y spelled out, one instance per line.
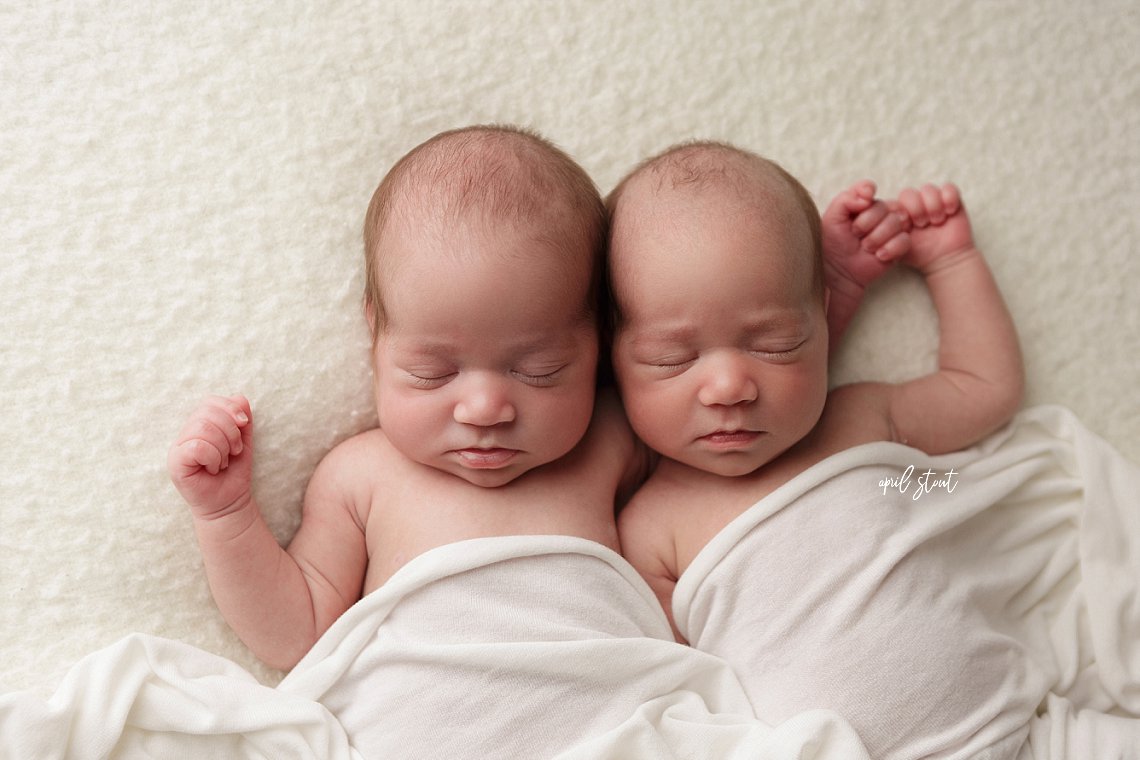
column 666, row 336
column 657, row 336
column 783, row 318
column 525, row 348
column 424, row 350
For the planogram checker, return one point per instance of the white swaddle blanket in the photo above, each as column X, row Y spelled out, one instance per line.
column 940, row 614
column 526, row 647
column 521, row 647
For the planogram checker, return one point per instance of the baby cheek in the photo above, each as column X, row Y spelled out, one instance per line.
column 399, row 408
column 654, row 413
column 801, row 395
column 577, row 407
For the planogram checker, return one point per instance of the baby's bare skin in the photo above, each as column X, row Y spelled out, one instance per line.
column 490, row 425
column 369, row 510
column 484, row 361
column 492, row 397
column 408, row 509
column 662, row 531
column 725, row 376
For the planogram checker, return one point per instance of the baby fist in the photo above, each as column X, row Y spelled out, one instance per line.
column 939, row 226
column 862, row 237
column 211, row 462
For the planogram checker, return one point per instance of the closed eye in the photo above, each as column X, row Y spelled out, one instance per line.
column 671, row 363
column 429, row 381
column 540, row 379
column 772, row 353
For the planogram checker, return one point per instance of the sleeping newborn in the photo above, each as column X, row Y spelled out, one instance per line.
column 482, row 252
column 720, row 351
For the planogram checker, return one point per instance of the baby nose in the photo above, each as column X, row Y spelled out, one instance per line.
column 726, row 381
column 484, row 401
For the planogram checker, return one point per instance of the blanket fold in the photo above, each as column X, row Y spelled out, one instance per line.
column 988, row 609
column 537, row 647
column 148, row 697
column 943, row 605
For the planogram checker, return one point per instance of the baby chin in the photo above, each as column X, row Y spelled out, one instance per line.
column 487, row 468
column 729, row 454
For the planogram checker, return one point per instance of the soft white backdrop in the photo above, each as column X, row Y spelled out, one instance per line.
column 182, row 187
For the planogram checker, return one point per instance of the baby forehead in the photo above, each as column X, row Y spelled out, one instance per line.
column 708, row 185
column 730, row 183
column 483, row 263
column 469, row 215
column 700, row 227
column 474, row 243
column 681, row 238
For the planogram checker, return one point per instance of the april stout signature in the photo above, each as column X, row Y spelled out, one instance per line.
column 925, row 483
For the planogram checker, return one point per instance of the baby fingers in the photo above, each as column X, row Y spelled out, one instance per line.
column 236, row 406
column 200, row 453
column 218, row 426
column 930, row 204
column 932, row 200
column 894, row 249
column 850, row 202
column 951, row 198
column 217, row 430
column 878, row 224
column 912, row 203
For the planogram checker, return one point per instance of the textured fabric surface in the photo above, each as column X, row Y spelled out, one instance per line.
column 507, row 647
column 182, row 188
column 938, row 603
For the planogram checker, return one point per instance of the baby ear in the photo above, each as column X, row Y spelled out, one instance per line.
column 826, row 299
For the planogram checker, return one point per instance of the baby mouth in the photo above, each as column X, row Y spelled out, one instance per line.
column 729, row 438
column 486, row 459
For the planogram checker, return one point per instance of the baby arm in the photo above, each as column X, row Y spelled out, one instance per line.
column 277, row 602
column 647, row 545
column 862, row 238
column 980, row 379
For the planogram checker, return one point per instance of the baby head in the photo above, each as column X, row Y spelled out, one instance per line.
column 483, row 263
column 720, row 342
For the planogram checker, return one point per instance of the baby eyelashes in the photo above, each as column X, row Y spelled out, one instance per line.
column 431, row 378
column 682, row 360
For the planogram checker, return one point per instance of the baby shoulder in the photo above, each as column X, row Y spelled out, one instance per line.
column 613, row 443
column 365, row 449
column 352, row 469
column 646, row 531
column 652, row 511
column 855, row 414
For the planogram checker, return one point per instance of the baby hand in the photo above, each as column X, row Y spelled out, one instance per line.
column 938, row 224
column 862, row 238
column 211, row 462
